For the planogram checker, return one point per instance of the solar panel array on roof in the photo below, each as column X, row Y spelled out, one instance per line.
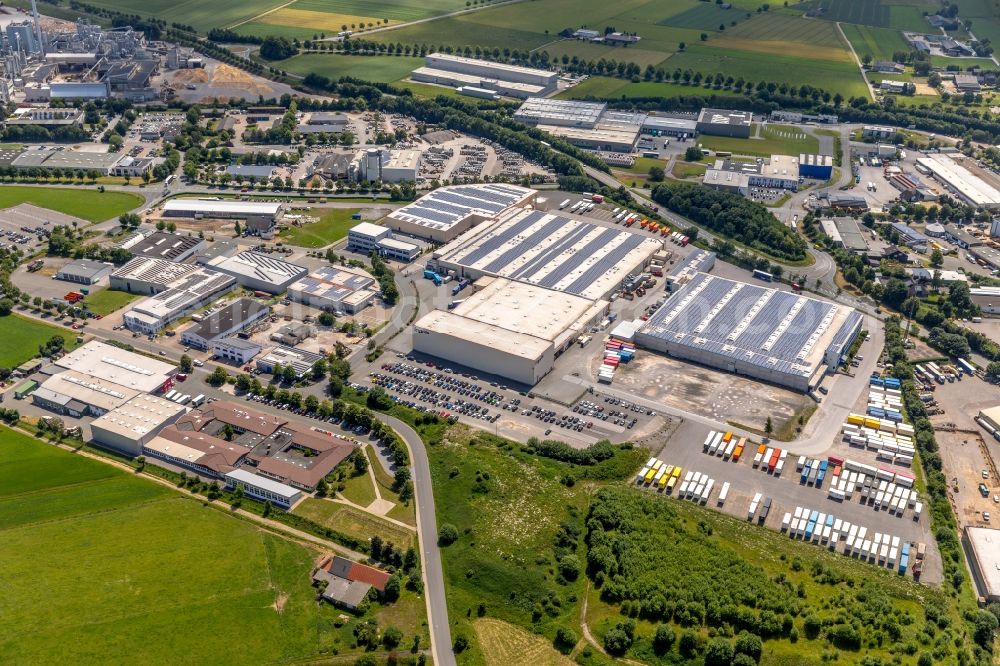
column 754, row 325
column 552, row 251
column 444, row 207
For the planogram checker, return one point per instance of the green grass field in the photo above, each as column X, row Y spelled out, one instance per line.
column 102, row 567
column 985, row 18
column 688, row 170
column 703, row 16
column 879, row 43
column 354, row 523
column 306, row 18
column 379, row 69
column 775, row 140
column 86, row 204
column 21, row 337
column 106, row 301
column 589, row 51
column 331, row 227
column 878, row 13
column 608, row 87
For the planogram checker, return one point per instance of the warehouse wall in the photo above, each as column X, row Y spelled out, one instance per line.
column 483, row 357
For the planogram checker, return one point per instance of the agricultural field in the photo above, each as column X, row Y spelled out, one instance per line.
column 86, row 204
column 985, row 18
column 331, row 227
column 378, row 69
column 962, row 63
column 774, row 140
column 200, row 15
column 878, row 13
column 156, row 578
column 306, row 18
column 106, row 301
column 771, row 46
column 21, row 337
column 879, row 43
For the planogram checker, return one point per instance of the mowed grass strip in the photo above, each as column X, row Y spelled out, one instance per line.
column 90, row 205
column 330, row 228
column 503, row 643
column 21, row 337
column 103, row 567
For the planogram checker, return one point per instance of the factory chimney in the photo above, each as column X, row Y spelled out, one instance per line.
column 38, row 27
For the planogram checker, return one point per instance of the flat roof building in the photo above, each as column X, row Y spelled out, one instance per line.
column 817, row 167
column 551, row 251
column 263, row 488
column 402, row 166
column 233, row 318
column 59, row 158
column 968, row 187
column 223, row 209
column 335, row 290
column 145, row 275
column 366, row 238
column 666, row 126
column 725, row 122
column 780, row 171
column 107, row 363
column 507, row 328
column 167, row 246
column 236, row 350
column 910, row 237
column 560, row 112
column 204, row 454
column 987, row 298
column 446, row 212
column 258, row 271
column 132, row 425
column 75, row 394
column 152, row 314
column 301, row 360
column 776, row 336
column 983, row 547
column 84, row 271
column 586, row 124
column 509, row 80
column 845, row 233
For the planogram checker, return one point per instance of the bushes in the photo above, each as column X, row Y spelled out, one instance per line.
column 732, row 216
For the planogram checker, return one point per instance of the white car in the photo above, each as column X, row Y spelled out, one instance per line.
column 198, row 362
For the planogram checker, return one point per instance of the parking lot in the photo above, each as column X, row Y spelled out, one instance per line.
column 786, row 491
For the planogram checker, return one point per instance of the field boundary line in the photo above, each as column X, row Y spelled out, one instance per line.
column 857, row 61
column 254, row 18
column 76, row 516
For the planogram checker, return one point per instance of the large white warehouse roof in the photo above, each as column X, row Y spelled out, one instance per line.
column 118, row 366
column 970, row 187
column 222, row 206
column 446, row 207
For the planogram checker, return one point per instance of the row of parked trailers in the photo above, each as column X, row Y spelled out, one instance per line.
column 891, row 441
column 724, row 445
column 694, row 486
column 931, row 371
column 826, row 529
column 878, row 487
column 885, row 403
column 184, row 398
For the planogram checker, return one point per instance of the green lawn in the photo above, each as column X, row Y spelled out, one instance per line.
column 86, row 204
column 106, row 301
column 359, row 489
column 102, row 567
column 22, row 336
column 688, row 170
column 354, row 523
column 775, row 140
column 331, row 227
column 378, row 69
column 611, row 88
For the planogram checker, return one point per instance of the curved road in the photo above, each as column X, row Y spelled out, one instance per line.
column 430, row 553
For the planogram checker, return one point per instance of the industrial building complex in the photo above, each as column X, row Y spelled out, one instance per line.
column 772, row 335
column 507, row 328
column 335, row 290
column 965, row 185
column 185, row 295
column 482, row 78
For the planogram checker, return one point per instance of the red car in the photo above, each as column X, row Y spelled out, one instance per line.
column 180, row 376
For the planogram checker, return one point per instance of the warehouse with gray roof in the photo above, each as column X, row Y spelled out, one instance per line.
column 165, row 245
column 146, row 275
column 725, row 122
column 551, row 251
column 233, row 318
column 258, row 271
column 776, row 336
column 184, row 296
column 446, row 212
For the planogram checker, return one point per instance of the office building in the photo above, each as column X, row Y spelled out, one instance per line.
column 366, row 238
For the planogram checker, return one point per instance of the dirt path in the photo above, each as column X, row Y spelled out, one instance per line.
column 861, row 68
